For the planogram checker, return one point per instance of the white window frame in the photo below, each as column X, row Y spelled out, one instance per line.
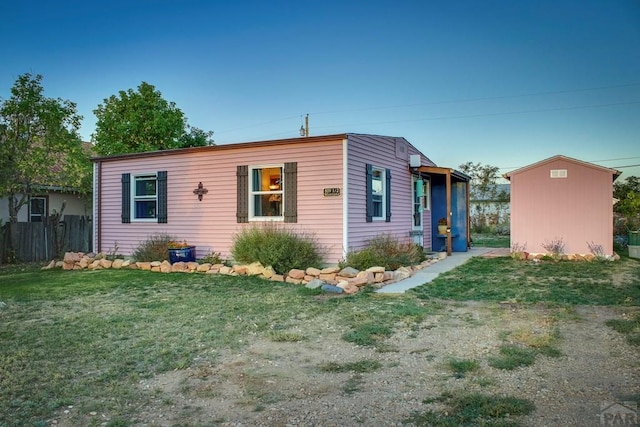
column 426, row 194
column 253, row 192
column 135, row 198
column 44, row 212
column 381, row 194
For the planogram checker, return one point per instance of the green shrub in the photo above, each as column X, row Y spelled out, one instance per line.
column 277, row 246
column 212, row 258
column 387, row 251
column 155, row 248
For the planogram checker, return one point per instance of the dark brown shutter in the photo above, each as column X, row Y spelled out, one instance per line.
column 242, row 204
column 388, row 195
column 291, row 192
column 162, row 196
column 126, row 198
column 369, row 189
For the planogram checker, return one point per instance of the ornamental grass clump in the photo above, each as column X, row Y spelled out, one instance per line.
column 154, row 248
column 386, row 251
column 554, row 248
column 274, row 245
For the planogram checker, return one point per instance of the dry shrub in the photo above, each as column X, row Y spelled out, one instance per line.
column 387, row 251
column 155, row 248
column 277, row 246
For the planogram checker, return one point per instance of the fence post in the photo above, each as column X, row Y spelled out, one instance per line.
column 3, row 243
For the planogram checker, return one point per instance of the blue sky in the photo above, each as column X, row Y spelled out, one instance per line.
column 505, row 83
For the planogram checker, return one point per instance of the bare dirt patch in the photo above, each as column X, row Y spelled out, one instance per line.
column 282, row 383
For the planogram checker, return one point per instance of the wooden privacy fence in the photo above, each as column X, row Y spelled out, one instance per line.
column 43, row 241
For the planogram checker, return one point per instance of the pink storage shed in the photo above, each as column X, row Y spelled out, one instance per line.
column 344, row 188
column 565, row 199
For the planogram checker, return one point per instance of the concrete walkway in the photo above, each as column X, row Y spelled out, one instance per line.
column 427, row 274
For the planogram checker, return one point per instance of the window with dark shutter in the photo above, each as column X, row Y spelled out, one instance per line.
column 126, row 198
column 291, row 192
column 144, row 197
column 242, row 203
column 378, row 193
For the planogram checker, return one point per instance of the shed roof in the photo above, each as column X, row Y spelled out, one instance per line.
column 456, row 175
column 219, row 147
column 252, row 144
column 615, row 173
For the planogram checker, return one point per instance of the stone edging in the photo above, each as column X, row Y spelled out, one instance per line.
column 331, row 279
column 563, row 257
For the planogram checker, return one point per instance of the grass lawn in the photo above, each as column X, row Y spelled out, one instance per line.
column 564, row 282
column 87, row 338
column 490, row 240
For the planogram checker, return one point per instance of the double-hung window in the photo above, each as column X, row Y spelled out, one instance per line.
column 145, row 197
column 378, row 193
column 266, row 192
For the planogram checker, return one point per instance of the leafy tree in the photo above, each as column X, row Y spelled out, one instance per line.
column 488, row 200
column 137, row 121
column 628, row 206
column 196, row 138
column 39, row 144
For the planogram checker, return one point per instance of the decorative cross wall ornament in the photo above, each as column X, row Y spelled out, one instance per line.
column 200, row 191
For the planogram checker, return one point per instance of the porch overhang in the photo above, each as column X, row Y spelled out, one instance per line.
column 451, row 175
column 456, row 175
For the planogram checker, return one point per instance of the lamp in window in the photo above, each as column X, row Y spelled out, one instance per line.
column 274, row 184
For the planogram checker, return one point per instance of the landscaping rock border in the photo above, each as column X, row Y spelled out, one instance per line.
column 330, row 279
column 526, row 256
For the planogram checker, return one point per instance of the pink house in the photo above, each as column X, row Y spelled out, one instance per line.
column 561, row 198
column 344, row 188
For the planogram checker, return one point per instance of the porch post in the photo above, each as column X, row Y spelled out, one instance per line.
column 468, row 218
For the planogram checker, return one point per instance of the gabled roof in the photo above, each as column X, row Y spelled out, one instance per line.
column 57, row 184
column 615, row 173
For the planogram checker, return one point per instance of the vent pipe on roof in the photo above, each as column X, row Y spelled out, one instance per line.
column 304, row 129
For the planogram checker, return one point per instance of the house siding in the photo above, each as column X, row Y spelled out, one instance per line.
column 211, row 223
column 75, row 205
column 577, row 209
column 388, row 153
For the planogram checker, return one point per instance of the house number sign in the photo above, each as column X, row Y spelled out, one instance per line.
column 332, row 192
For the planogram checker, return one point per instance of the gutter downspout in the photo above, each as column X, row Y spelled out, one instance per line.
column 345, row 201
